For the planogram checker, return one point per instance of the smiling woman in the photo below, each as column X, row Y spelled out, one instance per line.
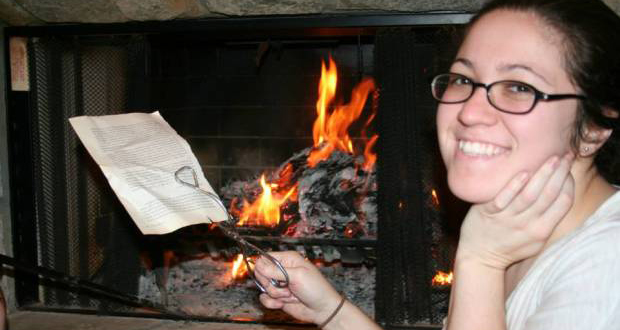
column 536, row 150
column 538, row 189
column 521, row 142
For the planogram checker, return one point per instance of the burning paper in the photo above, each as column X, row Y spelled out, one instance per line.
column 326, row 190
column 139, row 154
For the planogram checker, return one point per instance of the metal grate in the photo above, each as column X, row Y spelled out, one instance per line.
column 81, row 229
column 411, row 245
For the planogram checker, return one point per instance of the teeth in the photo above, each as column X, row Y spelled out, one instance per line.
column 478, row 149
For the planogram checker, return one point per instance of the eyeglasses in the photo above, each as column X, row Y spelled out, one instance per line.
column 507, row 95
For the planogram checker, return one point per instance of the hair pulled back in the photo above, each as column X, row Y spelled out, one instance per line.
column 588, row 32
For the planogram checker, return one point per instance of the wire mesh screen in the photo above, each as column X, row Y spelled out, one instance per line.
column 81, row 231
column 413, row 245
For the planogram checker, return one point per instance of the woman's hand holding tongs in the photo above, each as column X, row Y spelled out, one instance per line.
column 309, row 297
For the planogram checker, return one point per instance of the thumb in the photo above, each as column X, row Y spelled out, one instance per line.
column 272, row 268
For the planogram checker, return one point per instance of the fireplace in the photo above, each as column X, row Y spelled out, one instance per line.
column 243, row 92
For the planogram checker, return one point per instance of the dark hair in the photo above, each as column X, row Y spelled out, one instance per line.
column 589, row 34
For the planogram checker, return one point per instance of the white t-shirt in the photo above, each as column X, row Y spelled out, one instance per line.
column 575, row 283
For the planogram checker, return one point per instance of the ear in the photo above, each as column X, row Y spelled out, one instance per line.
column 595, row 136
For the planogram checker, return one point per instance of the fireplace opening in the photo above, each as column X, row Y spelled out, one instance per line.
column 246, row 101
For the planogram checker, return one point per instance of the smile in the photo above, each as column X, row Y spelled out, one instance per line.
column 470, row 148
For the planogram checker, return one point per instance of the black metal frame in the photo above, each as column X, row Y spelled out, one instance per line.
column 299, row 25
column 23, row 206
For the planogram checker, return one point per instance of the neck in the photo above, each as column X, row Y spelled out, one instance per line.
column 591, row 190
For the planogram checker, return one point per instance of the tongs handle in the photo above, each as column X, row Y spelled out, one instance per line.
column 229, row 229
column 244, row 245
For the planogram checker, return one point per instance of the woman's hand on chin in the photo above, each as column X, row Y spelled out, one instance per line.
column 518, row 222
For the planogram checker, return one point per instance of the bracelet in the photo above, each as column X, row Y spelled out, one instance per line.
column 333, row 313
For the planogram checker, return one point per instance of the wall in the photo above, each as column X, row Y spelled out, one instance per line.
column 36, row 12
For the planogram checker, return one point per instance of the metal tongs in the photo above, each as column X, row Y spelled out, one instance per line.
column 229, row 229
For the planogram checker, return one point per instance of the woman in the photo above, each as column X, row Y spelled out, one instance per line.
column 529, row 130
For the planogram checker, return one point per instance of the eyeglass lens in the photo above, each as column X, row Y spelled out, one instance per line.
column 509, row 96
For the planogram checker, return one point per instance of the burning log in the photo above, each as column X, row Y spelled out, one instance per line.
column 337, row 195
column 336, row 198
column 325, row 190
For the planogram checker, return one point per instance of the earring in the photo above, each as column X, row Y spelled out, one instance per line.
column 586, row 150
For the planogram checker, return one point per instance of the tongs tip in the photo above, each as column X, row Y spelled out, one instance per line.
column 229, row 229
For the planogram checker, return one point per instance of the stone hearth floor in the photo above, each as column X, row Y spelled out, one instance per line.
column 27, row 320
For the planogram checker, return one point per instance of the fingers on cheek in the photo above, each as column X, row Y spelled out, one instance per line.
column 513, row 188
column 533, row 193
column 561, row 205
column 558, row 190
column 567, row 193
column 539, row 181
column 550, row 194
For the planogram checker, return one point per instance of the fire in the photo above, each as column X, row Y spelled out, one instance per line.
column 239, row 269
column 434, row 197
column 370, row 158
column 329, row 134
column 330, row 130
column 442, row 279
column 265, row 210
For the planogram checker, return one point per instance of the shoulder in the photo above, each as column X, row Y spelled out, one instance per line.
column 574, row 284
column 594, row 247
column 599, row 237
column 603, row 227
column 590, row 249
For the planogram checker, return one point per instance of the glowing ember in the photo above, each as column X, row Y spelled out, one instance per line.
column 442, row 279
column 434, row 197
column 330, row 130
column 265, row 210
column 239, row 268
column 353, row 230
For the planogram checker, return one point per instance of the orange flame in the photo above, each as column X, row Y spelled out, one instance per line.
column 239, row 269
column 330, row 131
column 442, row 279
column 434, row 197
column 329, row 134
column 370, row 158
column 265, row 210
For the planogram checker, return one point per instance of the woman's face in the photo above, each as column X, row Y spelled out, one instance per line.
column 484, row 148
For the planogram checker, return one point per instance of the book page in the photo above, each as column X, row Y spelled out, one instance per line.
column 139, row 154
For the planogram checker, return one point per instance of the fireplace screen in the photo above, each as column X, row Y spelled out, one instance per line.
column 352, row 179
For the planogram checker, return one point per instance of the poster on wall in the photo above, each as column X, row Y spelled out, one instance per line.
column 19, row 64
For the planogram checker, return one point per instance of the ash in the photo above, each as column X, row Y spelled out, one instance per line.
column 337, row 198
column 205, row 288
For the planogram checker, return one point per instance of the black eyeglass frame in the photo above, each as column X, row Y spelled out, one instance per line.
column 538, row 95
